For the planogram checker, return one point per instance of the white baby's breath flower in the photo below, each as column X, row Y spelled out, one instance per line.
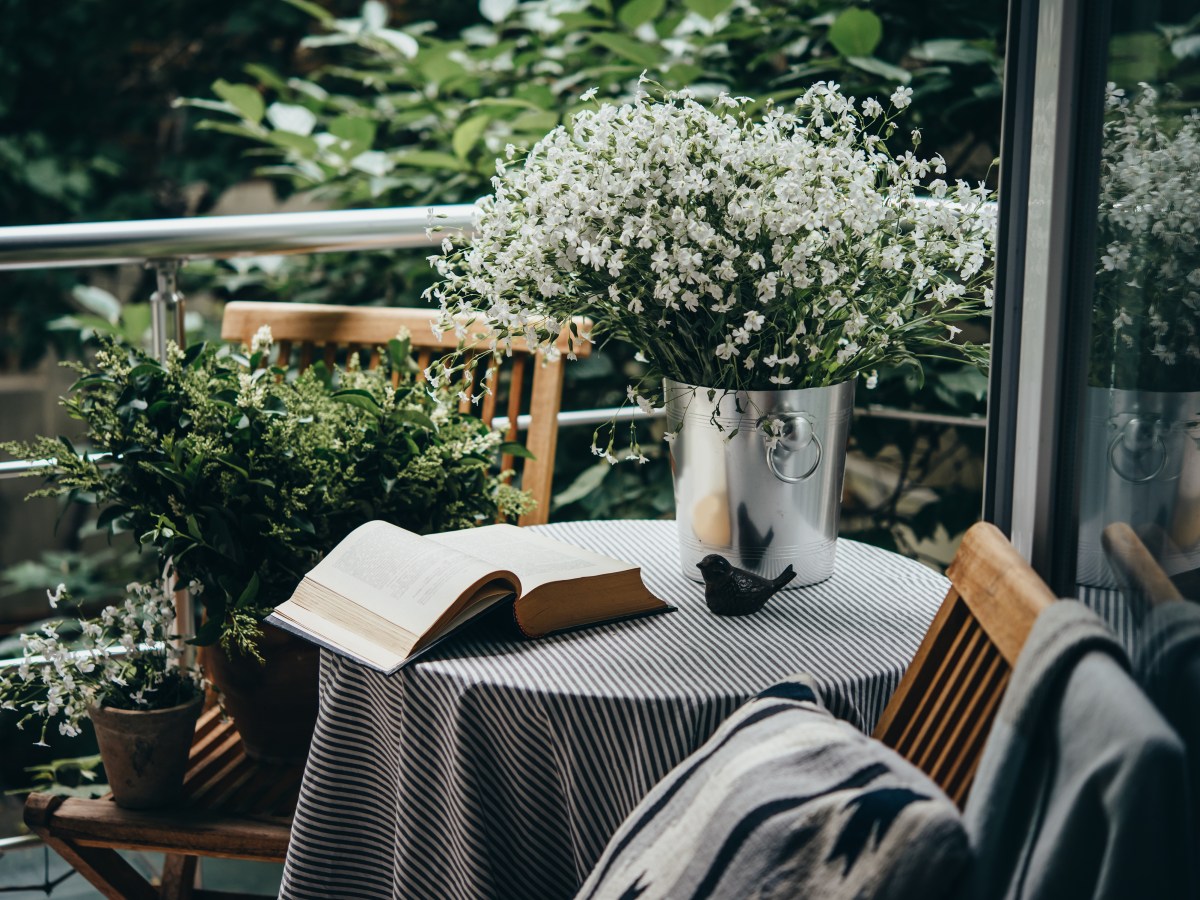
column 56, row 596
column 261, row 340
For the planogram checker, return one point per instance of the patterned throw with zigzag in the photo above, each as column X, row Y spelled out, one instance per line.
column 785, row 801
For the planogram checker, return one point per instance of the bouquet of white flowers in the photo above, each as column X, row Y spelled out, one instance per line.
column 735, row 251
column 1146, row 316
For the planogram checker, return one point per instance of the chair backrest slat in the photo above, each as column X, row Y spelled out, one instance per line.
column 491, row 383
column 516, row 386
column 941, row 713
column 324, row 331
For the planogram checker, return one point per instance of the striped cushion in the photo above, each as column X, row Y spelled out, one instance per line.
column 786, row 801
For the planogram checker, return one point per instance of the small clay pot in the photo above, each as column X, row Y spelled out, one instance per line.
column 145, row 752
column 273, row 706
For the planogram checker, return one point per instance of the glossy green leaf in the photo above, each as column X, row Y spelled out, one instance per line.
column 512, row 448
column 291, row 118
column 359, row 398
column 357, row 131
column 98, row 301
column 313, row 9
column 468, row 134
column 638, row 12
column 629, row 48
column 588, row 481
column 242, row 97
column 710, row 9
column 883, row 69
column 856, row 32
column 953, row 50
column 431, row 159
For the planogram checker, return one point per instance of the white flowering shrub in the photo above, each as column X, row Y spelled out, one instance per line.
column 70, row 665
column 1146, row 316
column 734, row 251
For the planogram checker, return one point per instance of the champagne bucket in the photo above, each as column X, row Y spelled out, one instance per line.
column 1142, row 467
column 763, row 504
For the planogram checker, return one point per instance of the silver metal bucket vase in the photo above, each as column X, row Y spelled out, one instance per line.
column 1142, row 467
column 763, row 504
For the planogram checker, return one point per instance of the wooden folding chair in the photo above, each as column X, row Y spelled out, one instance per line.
column 235, row 807
column 941, row 713
column 305, row 332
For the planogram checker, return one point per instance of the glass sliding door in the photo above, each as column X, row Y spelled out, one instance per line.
column 1140, row 431
column 1095, row 447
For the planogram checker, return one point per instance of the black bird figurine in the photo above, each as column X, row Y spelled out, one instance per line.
column 730, row 591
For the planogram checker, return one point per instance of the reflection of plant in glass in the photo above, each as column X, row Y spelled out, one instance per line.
column 1146, row 318
column 735, row 252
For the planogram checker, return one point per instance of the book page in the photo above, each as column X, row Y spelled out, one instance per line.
column 535, row 558
column 334, row 636
column 406, row 579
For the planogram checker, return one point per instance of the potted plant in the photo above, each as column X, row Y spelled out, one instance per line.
column 760, row 264
column 120, row 669
column 1142, row 460
column 243, row 476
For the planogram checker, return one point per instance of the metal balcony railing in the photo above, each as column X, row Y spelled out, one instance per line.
column 166, row 244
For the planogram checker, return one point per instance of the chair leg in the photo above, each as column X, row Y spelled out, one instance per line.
column 107, row 871
column 178, row 877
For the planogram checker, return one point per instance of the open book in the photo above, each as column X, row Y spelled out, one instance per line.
column 384, row 594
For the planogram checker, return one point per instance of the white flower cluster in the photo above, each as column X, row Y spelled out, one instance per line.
column 734, row 251
column 64, row 672
column 1147, row 314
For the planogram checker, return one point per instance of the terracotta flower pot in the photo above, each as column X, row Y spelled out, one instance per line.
column 274, row 706
column 145, row 752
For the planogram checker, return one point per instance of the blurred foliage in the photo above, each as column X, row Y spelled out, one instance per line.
column 410, row 115
column 408, row 103
column 88, row 131
column 413, row 114
column 79, row 776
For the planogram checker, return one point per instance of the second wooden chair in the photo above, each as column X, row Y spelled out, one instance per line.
column 306, row 332
column 941, row 713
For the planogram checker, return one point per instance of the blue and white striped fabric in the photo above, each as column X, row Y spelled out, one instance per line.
column 499, row 769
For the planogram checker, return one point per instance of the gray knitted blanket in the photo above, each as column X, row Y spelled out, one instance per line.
column 784, row 800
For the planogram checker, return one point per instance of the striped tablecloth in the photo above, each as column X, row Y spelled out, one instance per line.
column 499, row 769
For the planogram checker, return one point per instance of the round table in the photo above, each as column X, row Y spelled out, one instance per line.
column 496, row 768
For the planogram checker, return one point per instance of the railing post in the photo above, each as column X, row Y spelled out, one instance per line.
column 166, row 308
column 166, row 324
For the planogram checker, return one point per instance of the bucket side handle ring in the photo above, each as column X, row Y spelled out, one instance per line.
column 1160, row 445
column 807, row 436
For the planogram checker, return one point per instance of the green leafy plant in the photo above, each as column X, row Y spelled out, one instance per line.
column 88, row 131
column 243, row 476
column 411, row 114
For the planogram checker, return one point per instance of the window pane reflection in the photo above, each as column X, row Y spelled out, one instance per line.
column 1141, row 439
column 1139, row 544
